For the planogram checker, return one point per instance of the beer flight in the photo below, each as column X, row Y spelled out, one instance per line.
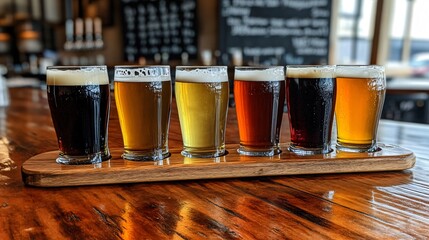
column 79, row 100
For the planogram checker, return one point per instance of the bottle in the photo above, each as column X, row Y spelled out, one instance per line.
column 4, row 91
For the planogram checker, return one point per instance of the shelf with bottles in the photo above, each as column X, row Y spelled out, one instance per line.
column 83, row 34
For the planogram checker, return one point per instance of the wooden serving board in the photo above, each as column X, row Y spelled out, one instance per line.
column 43, row 171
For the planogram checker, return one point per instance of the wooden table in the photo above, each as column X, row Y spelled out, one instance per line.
column 357, row 206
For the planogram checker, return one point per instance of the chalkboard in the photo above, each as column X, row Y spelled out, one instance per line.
column 159, row 27
column 276, row 32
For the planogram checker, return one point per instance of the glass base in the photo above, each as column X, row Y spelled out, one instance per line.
column 105, row 154
column 309, row 151
column 145, row 155
column 77, row 160
column 203, row 154
column 258, row 152
column 357, row 148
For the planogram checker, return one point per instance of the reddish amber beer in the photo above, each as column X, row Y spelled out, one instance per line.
column 259, row 97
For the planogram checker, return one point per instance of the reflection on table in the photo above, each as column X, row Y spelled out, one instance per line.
column 379, row 205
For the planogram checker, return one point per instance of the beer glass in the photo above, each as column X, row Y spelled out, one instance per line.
column 360, row 98
column 79, row 100
column 259, row 94
column 310, row 92
column 202, row 102
column 143, row 99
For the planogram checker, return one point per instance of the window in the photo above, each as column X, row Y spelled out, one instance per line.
column 354, row 31
column 409, row 43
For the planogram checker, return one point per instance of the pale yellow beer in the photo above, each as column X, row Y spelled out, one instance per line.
column 360, row 98
column 202, row 103
column 143, row 99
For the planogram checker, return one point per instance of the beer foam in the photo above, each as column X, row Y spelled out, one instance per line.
column 310, row 72
column 77, row 77
column 360, row 71
column 201, row 74
column 260, row 74
column 142, row 74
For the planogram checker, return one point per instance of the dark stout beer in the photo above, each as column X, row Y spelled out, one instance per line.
column 311, row 101
column 79, row 104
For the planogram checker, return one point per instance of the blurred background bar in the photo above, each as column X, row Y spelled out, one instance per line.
column 38, row 33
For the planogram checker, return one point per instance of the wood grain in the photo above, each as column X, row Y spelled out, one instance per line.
column 43, row 171
column 370, row 205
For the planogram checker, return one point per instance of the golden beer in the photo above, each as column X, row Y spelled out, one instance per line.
column 202, row 103
column 143, row 104
column 360, row 98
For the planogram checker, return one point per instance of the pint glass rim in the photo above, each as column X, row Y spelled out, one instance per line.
column 202, row 74
column 74, row 75
column 250, row 68
column 158, row 73
column 311, row 66
column 181, row 67
column 360, row 65
column 259, row 73
column 141, row 66
column 310, row 71
column 76, row 67
column 361, row 71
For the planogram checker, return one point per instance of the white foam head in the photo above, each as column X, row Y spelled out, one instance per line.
column 371, row 71
column 202, row 74
column 259, row 74
column 142, row 74
column 326, row 71
column 77, row 76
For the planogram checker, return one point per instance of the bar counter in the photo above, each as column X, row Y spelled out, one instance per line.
column 379, row 205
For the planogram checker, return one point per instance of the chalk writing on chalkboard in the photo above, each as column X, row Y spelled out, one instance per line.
column 276, row 31
column 166, row 27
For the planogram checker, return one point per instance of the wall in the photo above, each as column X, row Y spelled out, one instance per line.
column 113, row 51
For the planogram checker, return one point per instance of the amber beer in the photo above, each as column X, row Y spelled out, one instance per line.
column 202, row 103
column 259, row 94
column 143, row 99
column 79, row 100
column 360, row 98
column 310, row 94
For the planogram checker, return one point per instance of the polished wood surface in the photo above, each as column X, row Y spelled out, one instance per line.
column 43, row 171
column 380, row 205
